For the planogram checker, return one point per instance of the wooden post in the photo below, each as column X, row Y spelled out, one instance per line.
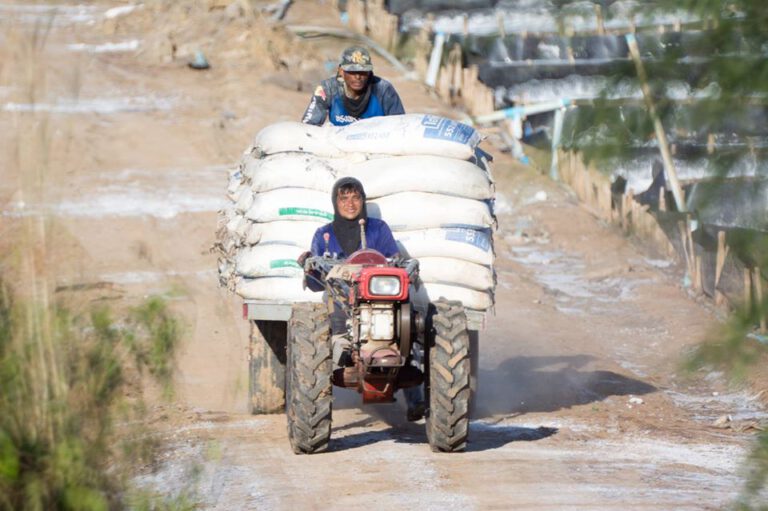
column 757, row 280
column 747, row 288
column 697, row 281
column 662, row 199
column 684, row 236
column 722, row 254
column 691, row 248
column 628, row 218
column 587, row 185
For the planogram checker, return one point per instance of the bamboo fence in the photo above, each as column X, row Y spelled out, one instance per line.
column 593, row 188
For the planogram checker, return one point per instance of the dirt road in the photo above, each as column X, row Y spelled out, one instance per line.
column 580, row 405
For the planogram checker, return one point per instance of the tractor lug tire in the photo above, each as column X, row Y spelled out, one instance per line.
column 308, row 379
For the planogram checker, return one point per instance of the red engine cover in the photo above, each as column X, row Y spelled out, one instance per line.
column 376, row 271
column 367, row 256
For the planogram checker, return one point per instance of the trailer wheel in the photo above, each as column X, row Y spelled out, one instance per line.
column 474, row 369
column 309, row 371
column 449, row 377
column 266, row 387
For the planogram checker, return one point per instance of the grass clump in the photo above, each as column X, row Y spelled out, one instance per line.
column 63, row 386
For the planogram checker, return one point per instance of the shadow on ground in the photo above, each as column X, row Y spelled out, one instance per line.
column 482, row 436
column 546, row 384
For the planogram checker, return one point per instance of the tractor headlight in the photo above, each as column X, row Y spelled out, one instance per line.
column 385, row 285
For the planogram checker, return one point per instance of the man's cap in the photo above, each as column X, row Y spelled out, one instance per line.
column 356, row 58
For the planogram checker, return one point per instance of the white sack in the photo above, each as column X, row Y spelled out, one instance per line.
column 235, row 195
column 269, row 261
column 470, row 298
column 291, row 204
column 235, row 181
column 418, row 210
column 244, row 200
column 298, row 170
column 285, row 232
column 435, row 174
column 467, row 244
column 276, row 289
column 227, row 213
column 284, row 137
column 448, row 270
column 407, row 134
column 238, row 226
column 233, row 222
column 226, row 270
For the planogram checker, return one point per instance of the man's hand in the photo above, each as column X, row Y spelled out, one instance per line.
column 303, row 258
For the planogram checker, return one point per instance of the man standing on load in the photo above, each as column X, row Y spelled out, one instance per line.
column 354, row 93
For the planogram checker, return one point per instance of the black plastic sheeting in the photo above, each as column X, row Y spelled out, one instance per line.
column 517, row 47
column 688, row 126
column 541, row 16
column 718, row 204
column 739, row 204
column 433, row 6
column 515, row 60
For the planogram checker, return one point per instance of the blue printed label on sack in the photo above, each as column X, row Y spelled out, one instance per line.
column 479, row 239
column 369, row 135
column 446, row 129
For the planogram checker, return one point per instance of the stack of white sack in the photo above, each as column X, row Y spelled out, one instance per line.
column 421, row 174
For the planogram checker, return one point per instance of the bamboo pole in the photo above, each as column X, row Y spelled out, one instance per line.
column 500, row 23
column 661, row 136
column 599, row 19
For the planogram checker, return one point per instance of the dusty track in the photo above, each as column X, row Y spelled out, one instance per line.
column 579, row 404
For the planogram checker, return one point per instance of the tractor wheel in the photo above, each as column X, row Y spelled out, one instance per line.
column 449, row 378
column 266, row 388
column 308, row 381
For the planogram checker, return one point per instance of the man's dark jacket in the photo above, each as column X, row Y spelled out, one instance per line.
column 328, row 102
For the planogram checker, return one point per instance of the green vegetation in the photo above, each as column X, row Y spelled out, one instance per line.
column 64, row 382
column 722, row 120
